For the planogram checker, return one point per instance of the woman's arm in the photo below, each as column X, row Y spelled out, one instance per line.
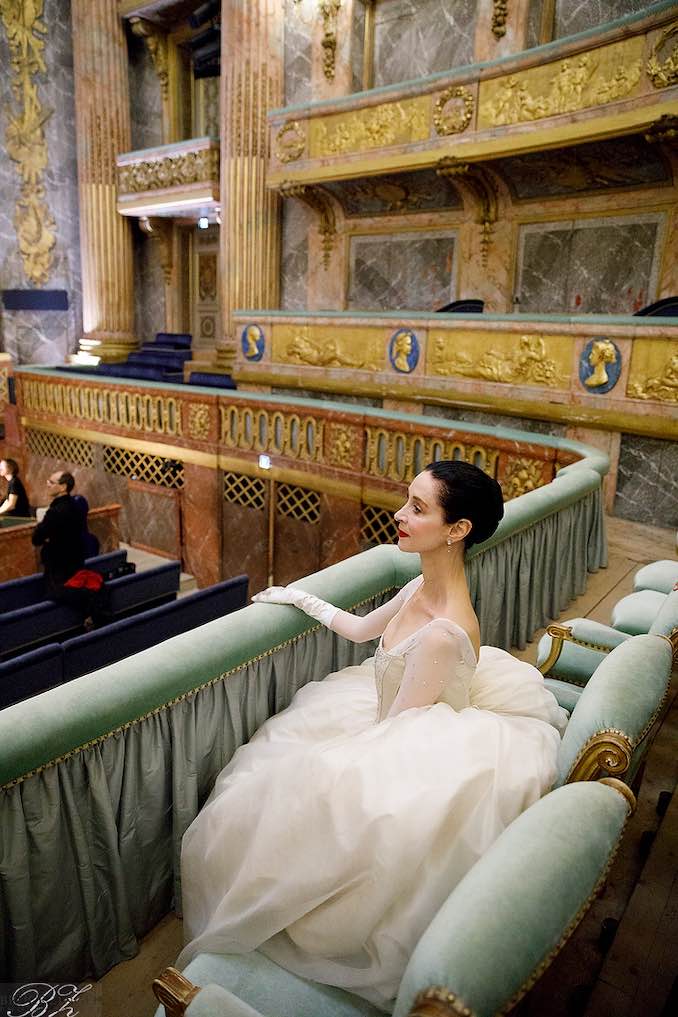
column 352, row 626
column 8, row 504
column 430, row 667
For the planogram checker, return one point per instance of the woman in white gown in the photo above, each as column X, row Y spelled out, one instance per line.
column 331, row 839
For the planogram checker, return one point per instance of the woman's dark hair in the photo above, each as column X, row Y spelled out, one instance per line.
column 13, row 467
column 466, row 492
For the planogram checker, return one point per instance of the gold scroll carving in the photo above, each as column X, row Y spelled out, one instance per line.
column 654, row 371
column 319, row 202
column 395, row 123
column 199, row 421
column 591, row 79
column 360, row 349
column 290, row 142
column 329, row 9
column 480, row 186
column 156, row 44
column 522, row 475
column 453, row 110
column 664, row 72
column 25, row 137
column 169, row 171
column 469, row 356
column 499, row 18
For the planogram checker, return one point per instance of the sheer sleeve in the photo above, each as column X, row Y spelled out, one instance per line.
column 432, row 668
column 371, row 625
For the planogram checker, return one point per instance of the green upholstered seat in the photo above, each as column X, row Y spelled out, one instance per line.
column 566, row 693
column 666, row 620
column 634, row 614
column 497, row 931
column 577, row 663
column 658, row 575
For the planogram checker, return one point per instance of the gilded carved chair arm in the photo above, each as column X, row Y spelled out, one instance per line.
column 174, row 991
column 561, row 634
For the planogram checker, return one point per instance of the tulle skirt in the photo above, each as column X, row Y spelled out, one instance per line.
column 329, row 841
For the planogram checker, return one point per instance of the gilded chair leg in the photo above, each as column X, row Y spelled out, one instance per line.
column 174, row 991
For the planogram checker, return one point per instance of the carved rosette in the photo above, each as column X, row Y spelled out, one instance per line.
column 169, row 171
column 25, row 137
column 664, row 72
column 453, row 110
column 199, row 421
column 290, row 142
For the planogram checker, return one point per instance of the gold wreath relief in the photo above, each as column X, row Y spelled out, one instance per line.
column 290, row 142
column 458, row 116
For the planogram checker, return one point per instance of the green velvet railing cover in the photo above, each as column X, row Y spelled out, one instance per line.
column 101, row 777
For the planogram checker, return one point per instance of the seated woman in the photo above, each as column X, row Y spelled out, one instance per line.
column 16, row 499
column 331, row 839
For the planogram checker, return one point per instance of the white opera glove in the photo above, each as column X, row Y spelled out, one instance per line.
column 313, row 606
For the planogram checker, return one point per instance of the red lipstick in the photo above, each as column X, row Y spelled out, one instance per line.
column 401, row 533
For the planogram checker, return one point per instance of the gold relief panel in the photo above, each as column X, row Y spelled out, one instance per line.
column 565, row 86
column 395, row 123
column 360, row 349
column 176, row 170
column 198, row 421
column 654, row 371
column 207, row 276
column 343, row 446
column 662, row 67
column 521, row 475
column 511, row 359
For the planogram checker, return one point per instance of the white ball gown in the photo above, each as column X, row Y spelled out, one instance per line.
column 332, row 838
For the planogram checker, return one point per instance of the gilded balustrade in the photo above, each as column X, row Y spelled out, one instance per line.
column 178, row 176
column 613, row 81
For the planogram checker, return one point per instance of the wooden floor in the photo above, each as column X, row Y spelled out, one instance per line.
column 636, row 972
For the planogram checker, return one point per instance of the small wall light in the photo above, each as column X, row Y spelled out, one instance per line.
column 203, row 222
column 264, row 462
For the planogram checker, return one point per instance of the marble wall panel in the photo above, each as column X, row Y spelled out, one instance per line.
column 413, row 38
column 297, row 549
column 201, row 523
column 594, row 266
column 44, row 337
column 154, row 518
column 297, row 51
column 495, row 419
column 357, row 45
column 297, row 220
column 533, row 27
column 339, row 529
column 572, row 16
column 144, row 89
column 647, row 481
column 149, row 287
column 244, row 544
column 416, row 271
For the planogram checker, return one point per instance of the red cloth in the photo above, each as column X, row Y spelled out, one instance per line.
column 85, row 579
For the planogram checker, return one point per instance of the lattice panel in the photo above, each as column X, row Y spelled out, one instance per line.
column 139, row 466
column 377, row 526
column 59, row 446
column 298, row 503
column 247, row 491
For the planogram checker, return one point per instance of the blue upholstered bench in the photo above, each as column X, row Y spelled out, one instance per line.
column 211, row 379
column 17, row 593
column 111, row 643
column 33, row 626
column 150, row 588
column 30, row 673
column 496, row 933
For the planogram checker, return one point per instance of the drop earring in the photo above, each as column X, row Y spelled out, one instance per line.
column 449, row 545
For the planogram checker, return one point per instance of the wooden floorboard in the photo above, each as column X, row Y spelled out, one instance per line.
column 634, row 978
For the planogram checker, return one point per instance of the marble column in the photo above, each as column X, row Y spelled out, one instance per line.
column 103, row 131
column 251, row 83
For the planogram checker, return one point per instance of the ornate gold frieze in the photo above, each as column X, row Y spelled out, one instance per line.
column 329, row 10
column 395, row 123
column 453, row 110
column 320, row 203
column 399, row 456
column 156, row 44
column 278, row 432
column 654, row 371
column 510, row 359
column 315, row 346
column 522, row 475
column 342, row 443
column 132, row 410
column 663, row 70
column 479, row 183
column 566, row 86
column 25, row 137
column 169, row 171
column 198, row 421
column 499, row 18
column 290, row 142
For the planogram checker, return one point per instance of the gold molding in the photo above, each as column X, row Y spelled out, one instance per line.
column 623, row 789
column 286, row 475
column 455, row 121
column 319, row 202
column 559, row 634
column 665, row 73
column 174, row 991
column 391, row 123
column 482, row 188
column 169, row 169
column 499, row 18
column 158, row 48
column 605, row 752
column 329, row 11
column 438, row 1001
column 25, row 138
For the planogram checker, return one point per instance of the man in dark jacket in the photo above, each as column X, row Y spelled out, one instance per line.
column 59, row 536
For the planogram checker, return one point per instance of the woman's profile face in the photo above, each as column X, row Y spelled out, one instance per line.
column 421, row 524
